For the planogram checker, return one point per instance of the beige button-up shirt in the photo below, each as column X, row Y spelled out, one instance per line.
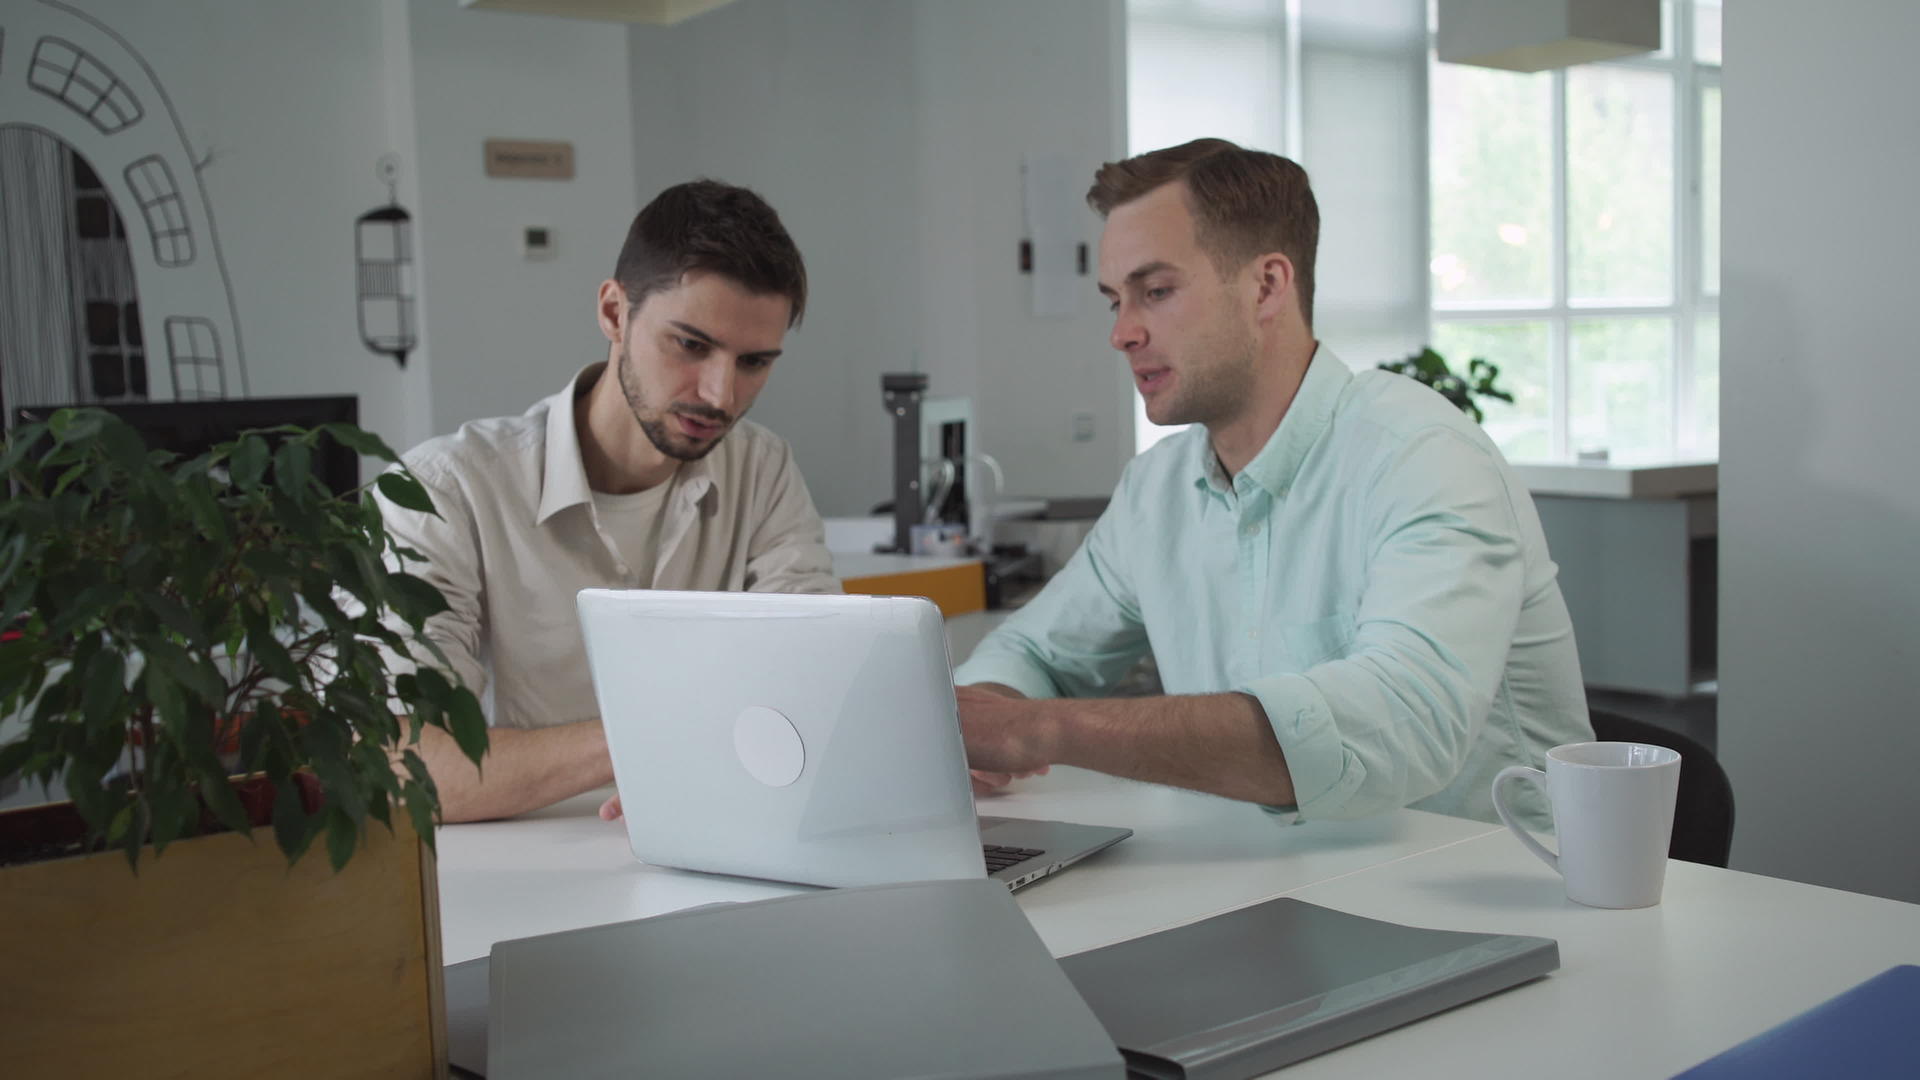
column 518, row 537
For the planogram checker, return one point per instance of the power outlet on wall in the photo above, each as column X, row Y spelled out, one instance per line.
column 1083, row 427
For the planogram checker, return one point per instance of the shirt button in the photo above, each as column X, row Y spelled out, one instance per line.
column 623, row 569
column 1251, row 528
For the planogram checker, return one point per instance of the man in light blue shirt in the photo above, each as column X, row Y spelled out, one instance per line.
column 1344, row 586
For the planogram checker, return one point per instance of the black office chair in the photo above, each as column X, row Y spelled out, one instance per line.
column 1703, row 813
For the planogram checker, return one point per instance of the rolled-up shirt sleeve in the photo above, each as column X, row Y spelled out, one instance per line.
column 450, row 544
column 1080, row 635
column 1392, row 719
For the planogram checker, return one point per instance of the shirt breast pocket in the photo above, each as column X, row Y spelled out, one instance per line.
column 1302, row 645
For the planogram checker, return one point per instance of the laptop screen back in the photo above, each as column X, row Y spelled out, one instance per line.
column 799, row 738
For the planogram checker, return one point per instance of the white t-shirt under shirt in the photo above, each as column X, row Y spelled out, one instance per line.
column 633, row 523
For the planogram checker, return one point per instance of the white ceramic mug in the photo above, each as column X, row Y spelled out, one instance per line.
column 1613, row 812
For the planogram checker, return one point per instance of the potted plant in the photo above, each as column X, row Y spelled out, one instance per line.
column 1430, row 368
column 194, row 648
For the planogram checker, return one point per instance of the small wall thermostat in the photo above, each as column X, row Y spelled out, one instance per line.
column 536, row 242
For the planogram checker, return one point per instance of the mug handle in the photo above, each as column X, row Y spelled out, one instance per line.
column 1521, row 772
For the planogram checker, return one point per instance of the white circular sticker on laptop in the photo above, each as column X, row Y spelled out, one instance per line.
column 768, row 746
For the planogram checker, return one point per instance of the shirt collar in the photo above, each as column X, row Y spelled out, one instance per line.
column 564, row 482
column 1278, row 462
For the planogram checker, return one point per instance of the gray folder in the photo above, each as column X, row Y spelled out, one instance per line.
column 1253, row 990
column 940, row 978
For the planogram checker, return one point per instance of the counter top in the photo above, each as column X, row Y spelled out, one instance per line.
column 1620, row 481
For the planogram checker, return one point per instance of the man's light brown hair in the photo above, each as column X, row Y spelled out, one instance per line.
column 1244, row 203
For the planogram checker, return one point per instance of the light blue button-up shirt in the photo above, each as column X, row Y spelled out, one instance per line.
column 1375, row 577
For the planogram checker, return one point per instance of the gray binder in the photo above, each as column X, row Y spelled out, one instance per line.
column 1253, row 990
column 941, row 978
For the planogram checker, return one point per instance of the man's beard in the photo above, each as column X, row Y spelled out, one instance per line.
column 1218, row 392
column 654, row 421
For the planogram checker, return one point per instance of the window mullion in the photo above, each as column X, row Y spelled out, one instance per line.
column 1559, row 370
column 1686, row 216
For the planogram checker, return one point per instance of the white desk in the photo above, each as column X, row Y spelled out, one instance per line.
column 1644, row 993
column 1190, row 856
column 1639, row 993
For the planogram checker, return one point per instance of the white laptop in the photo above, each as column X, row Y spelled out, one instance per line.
column 811, row 739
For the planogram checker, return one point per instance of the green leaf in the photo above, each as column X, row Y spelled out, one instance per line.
column 248, row 462
column 364, row 443
column 76, row 425
column 174, row 811
column 420, row 806
column 216, row 790
column 403, row 490
column 12, row 553
column 342, row 833
column 21, row 441
column 414, row 599
column 267, row 649
column 292, row 468
column 468, row 724
column 292, row 829
column 416, row 768
column 122, row 821
column 17, row 600
column 196, row 676
column 67, row 478
column 175, row 617
column 204, row 508
column 104, row 689
column 91, row 603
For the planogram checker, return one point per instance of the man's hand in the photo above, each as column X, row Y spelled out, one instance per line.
column 1004, row 735
column 610, row 810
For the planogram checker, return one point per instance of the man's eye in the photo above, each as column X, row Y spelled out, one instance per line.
column 697, row 348
column 756, row 363
column 1160, row 292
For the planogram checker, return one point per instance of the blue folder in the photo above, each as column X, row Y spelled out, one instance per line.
column 1865, row 1033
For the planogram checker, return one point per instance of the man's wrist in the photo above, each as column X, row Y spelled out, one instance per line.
column 1055, row 725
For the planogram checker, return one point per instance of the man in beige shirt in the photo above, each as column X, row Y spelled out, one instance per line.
column 639, row 474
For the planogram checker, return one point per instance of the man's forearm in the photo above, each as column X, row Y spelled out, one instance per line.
column 1216, row 743
column 524, row 769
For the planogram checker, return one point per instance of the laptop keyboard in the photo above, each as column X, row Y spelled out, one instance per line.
column 999, row 858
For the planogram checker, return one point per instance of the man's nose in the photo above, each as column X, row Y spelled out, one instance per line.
column 1129, row 333
column 716, row 384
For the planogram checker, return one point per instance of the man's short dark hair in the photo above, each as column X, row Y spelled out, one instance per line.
column 705, row 225
column 1244, row 203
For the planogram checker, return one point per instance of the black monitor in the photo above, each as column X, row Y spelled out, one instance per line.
column 189, row 428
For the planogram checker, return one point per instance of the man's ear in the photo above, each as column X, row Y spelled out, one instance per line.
column 612, row 311
column 1274, row 278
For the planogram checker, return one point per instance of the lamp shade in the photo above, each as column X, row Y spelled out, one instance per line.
column 1535, row 35
column 663, row 12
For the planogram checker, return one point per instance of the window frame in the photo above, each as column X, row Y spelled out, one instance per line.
column 1688, row 301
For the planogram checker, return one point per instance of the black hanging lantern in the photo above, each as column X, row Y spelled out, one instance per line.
column 383, row 256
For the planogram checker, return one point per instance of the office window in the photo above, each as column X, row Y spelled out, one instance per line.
column 1198, row 68
column 1575, row 242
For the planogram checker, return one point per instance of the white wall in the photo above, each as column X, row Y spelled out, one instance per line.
column 1000, row 79
column 503, row 332
column 1819, row 718
column 292, row 104
column 812, row 107
column 889, row 136
column 288, row 137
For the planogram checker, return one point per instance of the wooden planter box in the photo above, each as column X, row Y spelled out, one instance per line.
column 217, row 960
